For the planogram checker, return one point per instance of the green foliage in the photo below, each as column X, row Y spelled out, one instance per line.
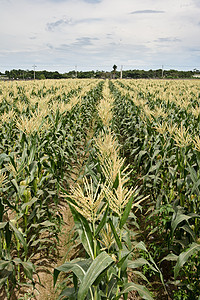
column 167, row 169
column 158, row 133
column 33, row 163
column 106, row 240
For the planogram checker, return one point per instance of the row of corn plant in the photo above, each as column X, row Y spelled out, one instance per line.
column 160, row 137
column 40, row 137
column 103, row 205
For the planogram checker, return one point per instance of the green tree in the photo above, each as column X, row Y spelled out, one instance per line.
column 114, row 70
column 42, row 76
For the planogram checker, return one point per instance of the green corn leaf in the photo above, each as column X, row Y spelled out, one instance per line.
column 154, row 267
column 141, row 246
column 3, row 157
column 86, row 238
column 193, row 173
column 33, row 170
column 196, row 187
column 12, row 161
column 77, row 267
column 120, row 263
column 178, row 219
column 103, row 221
column 126, row 213
column 45, row 224
column 155, row 154
column 119, row 244
column 14, row 182
column 84, row 231
column 3, row 224
column 19, row 236
column 30, row 203
column 4, row 264
column 137, row 263
column 42, row 241
column 101, row 263
column 170, row 257
column 32, row 154
column 140, row 274
column 141, row 153
column 28, row 269
column 183, row 257
column 188, row 229
column 142, row 290
column 134, row 151
column 70, row 293
column 6, row 273
column 154, row 168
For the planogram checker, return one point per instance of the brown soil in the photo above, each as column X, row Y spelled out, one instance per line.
column 46, row 262
column 46, row 291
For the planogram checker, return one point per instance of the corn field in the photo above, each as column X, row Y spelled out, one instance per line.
column 124, row 157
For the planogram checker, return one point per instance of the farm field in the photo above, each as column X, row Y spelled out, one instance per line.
column 101, row 179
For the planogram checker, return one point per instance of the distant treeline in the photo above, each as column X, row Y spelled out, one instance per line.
column 29, row 74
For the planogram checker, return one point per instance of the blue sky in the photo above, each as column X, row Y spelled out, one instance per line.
column 95, row 34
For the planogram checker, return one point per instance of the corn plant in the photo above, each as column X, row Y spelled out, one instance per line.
column 40, row 131
column 159, row 133
column 101, row 210
column 106, row 242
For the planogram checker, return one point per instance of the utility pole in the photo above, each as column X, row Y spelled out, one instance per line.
column 34, row 66
column 121, row 72
column 162, row 71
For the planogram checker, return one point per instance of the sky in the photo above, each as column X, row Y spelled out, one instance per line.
column 64, row 35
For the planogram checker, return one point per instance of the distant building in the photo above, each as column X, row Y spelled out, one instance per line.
column 196, row 76
column 3, row 77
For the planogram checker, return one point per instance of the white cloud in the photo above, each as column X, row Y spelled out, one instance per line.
column 58, row 34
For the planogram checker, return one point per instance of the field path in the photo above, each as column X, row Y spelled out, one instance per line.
column 46, row 266
column 46, row 290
